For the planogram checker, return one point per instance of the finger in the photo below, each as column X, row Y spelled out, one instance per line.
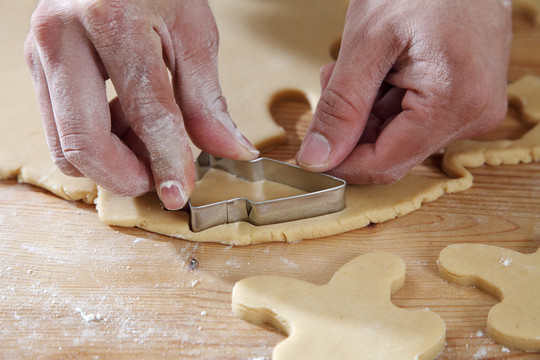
column 371, row 130
column 197, row 88
column 389, row 105
column 45, row 107
column 406, row 141
column 80, row 109
column 135, row 64
column 121, row 128
column 346, row 101
column 325, row 74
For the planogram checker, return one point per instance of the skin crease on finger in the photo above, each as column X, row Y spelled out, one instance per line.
column 133, row 42
column 160, row 164
column 77, row 137
column 451, row 58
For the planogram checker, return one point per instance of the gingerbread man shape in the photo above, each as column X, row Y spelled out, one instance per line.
column 351, row 317
column 510, row 276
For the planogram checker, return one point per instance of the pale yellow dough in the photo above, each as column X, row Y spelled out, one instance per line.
column 365, row 204
column 218, row 185
column 510, row 276
column 267, row 47
column 352, row 317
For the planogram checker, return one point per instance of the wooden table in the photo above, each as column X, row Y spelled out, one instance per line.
column 159, row 297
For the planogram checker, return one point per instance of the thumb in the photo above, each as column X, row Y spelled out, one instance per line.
column 349, row 91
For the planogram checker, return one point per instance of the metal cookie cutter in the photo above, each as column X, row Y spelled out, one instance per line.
column 325, row 194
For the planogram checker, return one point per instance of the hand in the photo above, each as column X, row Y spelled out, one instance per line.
column 139, row 140
column 411, row 77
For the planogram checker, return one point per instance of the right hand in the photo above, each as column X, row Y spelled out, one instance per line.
column 411, row 78
column 139, row 140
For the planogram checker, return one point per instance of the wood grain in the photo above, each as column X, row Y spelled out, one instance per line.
column 160, row 297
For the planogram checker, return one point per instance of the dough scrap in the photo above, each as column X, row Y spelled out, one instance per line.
column 511, row 277
column 290, row 40
column 351, row 317
column 523, row 94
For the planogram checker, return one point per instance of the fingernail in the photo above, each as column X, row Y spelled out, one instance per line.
column 248, row 145
column 172, row 195
column 315, row 151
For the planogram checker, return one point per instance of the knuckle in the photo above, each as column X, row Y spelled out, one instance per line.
column 30, row 55
column 110, row 22
column 46, row 23
column 102, row 12
column 151, row 122
column 78, row 150
column 205, row 48
column 337, row 109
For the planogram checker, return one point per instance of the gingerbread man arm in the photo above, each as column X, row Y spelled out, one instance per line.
column 461, row 264
column 251, row 298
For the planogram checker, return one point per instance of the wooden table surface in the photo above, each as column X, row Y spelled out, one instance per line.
column 157, row 296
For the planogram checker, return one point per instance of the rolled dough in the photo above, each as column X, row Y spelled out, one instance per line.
column 267, row 48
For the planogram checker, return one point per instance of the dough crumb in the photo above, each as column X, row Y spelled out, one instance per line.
column 89, row 317
column 289, row 263
column 480, row 353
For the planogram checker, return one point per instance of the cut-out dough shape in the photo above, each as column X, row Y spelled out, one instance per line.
column 266, row 47
column 351, row 317
column 510, row 276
